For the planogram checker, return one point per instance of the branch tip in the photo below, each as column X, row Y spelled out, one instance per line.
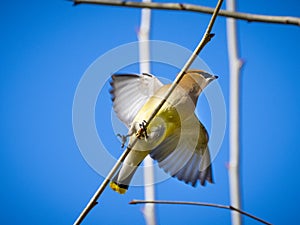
column 132, row 202
column 75, row 3
column 70, row 1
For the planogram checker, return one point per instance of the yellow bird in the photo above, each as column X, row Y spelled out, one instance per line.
column 175, row 138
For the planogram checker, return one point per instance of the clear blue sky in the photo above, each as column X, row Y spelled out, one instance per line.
column 46, row 46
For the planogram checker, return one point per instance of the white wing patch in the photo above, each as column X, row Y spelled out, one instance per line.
column 130, row 92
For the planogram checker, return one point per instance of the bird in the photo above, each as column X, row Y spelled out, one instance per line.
column 175, row 137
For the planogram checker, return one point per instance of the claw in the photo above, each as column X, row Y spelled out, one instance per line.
column 123, row 139
column 142, row 132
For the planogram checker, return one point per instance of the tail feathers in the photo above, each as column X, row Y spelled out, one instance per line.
column 120, row 182
column 121, row 189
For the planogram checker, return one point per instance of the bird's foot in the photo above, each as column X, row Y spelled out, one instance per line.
column 123, row 139
column 142, row 132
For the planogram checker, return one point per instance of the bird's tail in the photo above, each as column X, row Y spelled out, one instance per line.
column 119, row 183
column 122, row 179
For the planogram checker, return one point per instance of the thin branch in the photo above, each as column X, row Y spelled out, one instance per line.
column 99, row 191
column 235, row 65
column 144, row 55
column 133, row 202
column 205, row 39
column 196, row 8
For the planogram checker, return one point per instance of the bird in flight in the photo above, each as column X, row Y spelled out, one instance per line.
column 175, row 137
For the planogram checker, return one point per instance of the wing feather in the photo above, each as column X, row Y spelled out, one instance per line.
column 130, row 92
column 183, row 156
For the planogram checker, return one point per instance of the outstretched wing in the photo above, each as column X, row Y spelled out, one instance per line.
column 184, row 154
column 130, row 92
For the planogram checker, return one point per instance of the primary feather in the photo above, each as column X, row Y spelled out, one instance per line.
column 130, row 92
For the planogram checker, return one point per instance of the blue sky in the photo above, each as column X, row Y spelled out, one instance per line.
column 46, row 46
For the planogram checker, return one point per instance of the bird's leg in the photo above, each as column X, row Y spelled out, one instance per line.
column 123, row 139
column 142, row 132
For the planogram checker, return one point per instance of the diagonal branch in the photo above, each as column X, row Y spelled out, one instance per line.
column 149, row 211
column 229, row 207
column 93, row 201
column 205, row 39
column 196, row 8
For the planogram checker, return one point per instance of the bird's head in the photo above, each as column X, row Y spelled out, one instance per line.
column 194, row 81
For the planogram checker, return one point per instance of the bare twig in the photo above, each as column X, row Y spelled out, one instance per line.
column 196, row 8
column 200, row 204
column 235, row 65
column 205, row 39
column 144, row 54
column 94, row 199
